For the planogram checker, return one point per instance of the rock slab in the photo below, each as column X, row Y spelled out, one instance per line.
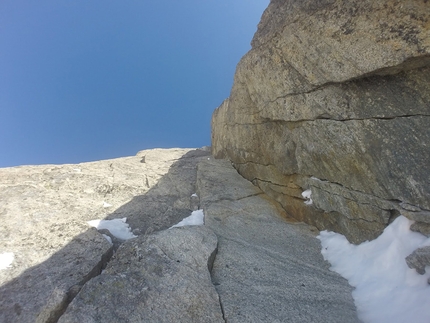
column 44, row 212
column 268, row 268
column 163, row 277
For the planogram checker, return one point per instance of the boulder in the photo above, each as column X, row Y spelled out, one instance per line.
column 421, row 227
column 419, row 260
column 335, row 97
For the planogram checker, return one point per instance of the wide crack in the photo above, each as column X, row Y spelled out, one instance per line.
column 60, row 308
column 211, row 261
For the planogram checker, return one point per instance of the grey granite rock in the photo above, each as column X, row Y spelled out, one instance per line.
column 162, row 277
column 423, row 228
column 268, row 267
column 44, row 212
column 341, row 40
column 41, row 293
column 340, row 92
column 419, row 259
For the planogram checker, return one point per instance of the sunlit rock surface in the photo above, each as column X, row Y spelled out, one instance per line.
column 334, row 97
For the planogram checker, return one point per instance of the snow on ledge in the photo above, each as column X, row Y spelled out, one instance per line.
column 386, row 289
column 117, row 227
column 196, row 218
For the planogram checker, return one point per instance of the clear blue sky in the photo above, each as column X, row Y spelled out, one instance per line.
column 86, row 80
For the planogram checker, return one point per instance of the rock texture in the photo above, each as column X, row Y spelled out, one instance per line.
column 44, row 212
column 268, row 268
column 334, row 97
column 419, row 260
column 162, row 277
column 249, row 263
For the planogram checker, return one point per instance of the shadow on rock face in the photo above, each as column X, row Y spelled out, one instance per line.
column 168, row 202
column 40, row 289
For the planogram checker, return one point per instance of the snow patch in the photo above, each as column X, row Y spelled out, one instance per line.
column 106, row 205
column 6, row 260
column 194, row 195
column 386, row 289
column 307, row 195
column 196, row 218
column 117, row 227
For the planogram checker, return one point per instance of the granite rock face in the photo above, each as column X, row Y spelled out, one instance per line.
column 44, row 212
column 268, row 267
column 248, row 263
column 163, row 277
column 334, row 97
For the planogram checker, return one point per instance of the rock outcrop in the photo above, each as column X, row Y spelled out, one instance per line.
column 248, row 263
column 419, row 259
column 334, row 97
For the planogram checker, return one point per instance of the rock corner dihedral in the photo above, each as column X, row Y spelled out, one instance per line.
column 334, row 97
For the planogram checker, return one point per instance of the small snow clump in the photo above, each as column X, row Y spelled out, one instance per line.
column 117, row 227
column 6, row 260
column 307, row 195
column 196, row 218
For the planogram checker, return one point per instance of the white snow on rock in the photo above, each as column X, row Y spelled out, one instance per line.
column 105, row 204
column 6, row 260
column 307, row 195
column 117, row 227
column 386, row 289
column 194, row 195
column 196, row 218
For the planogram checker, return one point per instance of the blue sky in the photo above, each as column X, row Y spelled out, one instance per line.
column 87, row 80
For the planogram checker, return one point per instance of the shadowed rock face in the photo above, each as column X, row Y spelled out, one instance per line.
column 335, row 97
column 162, row 277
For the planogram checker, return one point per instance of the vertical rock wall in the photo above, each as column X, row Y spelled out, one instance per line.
column 334, row 97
